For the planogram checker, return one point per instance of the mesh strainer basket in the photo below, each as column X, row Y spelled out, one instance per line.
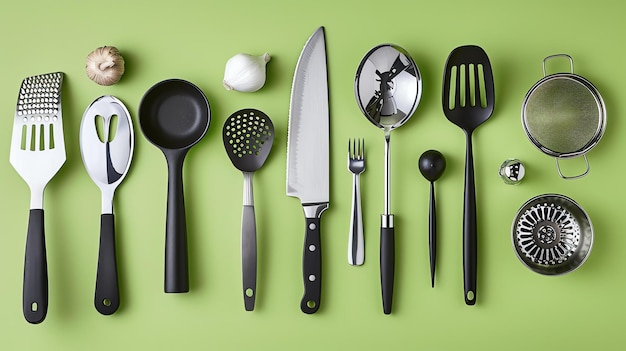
column 564, row 115
column 552, row 234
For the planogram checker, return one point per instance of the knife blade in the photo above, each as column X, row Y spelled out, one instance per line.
column 308, row 157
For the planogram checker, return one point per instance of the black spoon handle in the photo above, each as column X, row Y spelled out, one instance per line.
column 432, row 234
column 469, row 228
column 387, row 261
column 35, row 289
column 176, row 262
column 107, row 296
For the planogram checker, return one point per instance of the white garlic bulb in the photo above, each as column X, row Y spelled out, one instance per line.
column 245, row 72
column 105, row 65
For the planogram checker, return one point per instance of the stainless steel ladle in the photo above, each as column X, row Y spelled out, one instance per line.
column 388, row 88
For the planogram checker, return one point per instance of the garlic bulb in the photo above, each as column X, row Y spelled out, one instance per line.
column 105, row 65
column 245, row 72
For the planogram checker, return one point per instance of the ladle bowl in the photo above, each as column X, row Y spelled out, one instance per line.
column 388, row 88
column 174, row 115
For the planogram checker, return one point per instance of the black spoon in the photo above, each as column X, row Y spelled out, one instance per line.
column 174, row 115
column 432, row 164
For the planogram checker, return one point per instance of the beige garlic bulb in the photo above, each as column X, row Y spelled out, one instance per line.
column 105, row 65
column 245, row 73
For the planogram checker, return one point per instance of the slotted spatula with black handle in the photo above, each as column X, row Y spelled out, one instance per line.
column 468, row 101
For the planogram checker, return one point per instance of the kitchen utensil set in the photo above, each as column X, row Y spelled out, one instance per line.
column 551, row 233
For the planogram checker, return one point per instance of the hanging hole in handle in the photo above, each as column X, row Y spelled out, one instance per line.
column 470, row 296
column 34, row 307
column 106, row 302
column 558, row 168
column 571, row 62
column 249, row 292
column 311, row 304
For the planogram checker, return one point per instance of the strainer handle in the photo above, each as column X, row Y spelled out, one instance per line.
column 558, row 168
column 571, row 62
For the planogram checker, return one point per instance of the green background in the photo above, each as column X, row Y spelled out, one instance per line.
column 192, row 40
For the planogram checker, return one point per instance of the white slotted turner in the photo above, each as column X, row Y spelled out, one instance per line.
column 37, row 154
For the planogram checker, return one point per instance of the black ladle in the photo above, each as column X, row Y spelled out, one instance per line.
column 432, row 164
column 174, row 115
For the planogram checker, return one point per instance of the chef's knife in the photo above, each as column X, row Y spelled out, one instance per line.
column 308, row 158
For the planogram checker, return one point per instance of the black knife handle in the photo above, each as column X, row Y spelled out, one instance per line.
column 35, row 289
column 312, row 267
column 107, row 295
column 387, row 261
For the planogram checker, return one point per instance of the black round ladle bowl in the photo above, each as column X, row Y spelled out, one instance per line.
column 174, row 115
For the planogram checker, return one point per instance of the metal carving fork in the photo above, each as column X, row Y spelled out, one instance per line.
column 37, row 153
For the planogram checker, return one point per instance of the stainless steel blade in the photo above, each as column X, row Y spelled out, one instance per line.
column 307, row 139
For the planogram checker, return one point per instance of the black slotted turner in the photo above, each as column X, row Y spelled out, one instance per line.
column 468, row 100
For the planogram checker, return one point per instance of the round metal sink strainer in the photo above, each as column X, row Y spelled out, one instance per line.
column 552, row 234
column 563, row 115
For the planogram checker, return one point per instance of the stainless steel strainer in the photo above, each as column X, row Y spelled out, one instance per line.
column 563, row 115
column 552, row 234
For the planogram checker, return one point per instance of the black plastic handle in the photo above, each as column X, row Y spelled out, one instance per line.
column 35, row 288
column 387, row 265
column 176, row 262
column 248, row 256
column 312, row 267
column 107, row 295
column 432, row 234
column 469, row 228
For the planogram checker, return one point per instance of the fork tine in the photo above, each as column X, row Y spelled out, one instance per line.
column 349, row 149
column 362, row 149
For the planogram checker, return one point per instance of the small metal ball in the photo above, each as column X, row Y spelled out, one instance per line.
column 512, row 171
